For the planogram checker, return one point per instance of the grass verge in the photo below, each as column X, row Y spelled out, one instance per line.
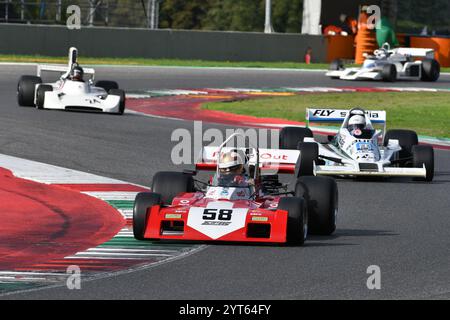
column 428, row 113
column 163, row 62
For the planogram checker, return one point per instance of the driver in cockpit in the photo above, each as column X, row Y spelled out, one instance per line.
column 231, row 169
column 358, row 127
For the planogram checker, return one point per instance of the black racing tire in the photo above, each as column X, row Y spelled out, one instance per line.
column 431, row 70
column 171, row 184
column 142, row 203
column 297, row 225
column 26, row 89
column 389, row 73
column 406, row 138
column 309, row 153
column 40, row 95
column 321, row 194
column 291, row 136
column 107, row 85
column 424, row 155
column 121, row 94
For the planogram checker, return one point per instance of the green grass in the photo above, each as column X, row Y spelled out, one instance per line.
column 426, row 112
column 162, row 62
column 170, row 62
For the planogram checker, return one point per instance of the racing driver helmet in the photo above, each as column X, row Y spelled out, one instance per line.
column 231, row 163
column 77, row 73
column 357, row 124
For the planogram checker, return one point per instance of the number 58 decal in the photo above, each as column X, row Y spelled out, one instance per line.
column 220, row 214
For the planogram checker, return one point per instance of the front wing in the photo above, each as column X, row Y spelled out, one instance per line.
column 330, row 170
column 258, row 226
column 110, row 104
column 355, row 74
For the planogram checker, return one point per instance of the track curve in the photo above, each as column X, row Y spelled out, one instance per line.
column 401, row 226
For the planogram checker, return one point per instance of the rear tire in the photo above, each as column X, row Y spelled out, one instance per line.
column 424, row 155
column 171, row 184
column 389, row 73
column 291, row 136
column 321, row 194
column 121, row 94
column 406, row 138
column 107, row 85
column 26, row 89
column 309, row 153
column 431, row 70
column 142, row 203
column 297, row 225
column 40, row 95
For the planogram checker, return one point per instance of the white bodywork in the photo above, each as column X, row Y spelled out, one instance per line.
column 347, row 155
column 403, row 59
column 76, row 95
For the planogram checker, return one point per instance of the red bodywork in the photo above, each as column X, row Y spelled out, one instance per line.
column 262, row 214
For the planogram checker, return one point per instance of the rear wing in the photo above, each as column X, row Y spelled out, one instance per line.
column 274, row 160
column 61, row 69
column 415, row 52
column 73, row 59
column 338, row 115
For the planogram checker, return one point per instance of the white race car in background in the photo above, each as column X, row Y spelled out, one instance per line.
column 372, row 153
column 391, row 65
column 67, row 94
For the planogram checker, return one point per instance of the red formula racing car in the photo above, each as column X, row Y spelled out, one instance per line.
column 244, row 201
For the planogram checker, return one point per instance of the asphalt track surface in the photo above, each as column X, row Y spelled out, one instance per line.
column 401, row 226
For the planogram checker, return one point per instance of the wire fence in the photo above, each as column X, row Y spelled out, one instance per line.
column 134, row 14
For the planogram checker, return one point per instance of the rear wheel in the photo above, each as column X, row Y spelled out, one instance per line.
column 40, row 95
column 297, row 225
column 121, row 94
column 424, row 155
column 309, row 154
column 171, row 184
column 407, row 139
column 291, row 136
column 143, row 202
column 26, row 89
column 389, row 73
column 321, row 194
column 431, row 70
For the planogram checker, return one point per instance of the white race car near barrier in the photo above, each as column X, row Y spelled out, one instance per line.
column 391, row 65
column 360, row 151
column 68, row 93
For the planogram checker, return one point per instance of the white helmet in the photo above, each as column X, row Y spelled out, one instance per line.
column 231, row 162
column 357, row 122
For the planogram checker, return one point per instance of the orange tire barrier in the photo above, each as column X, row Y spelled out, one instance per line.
column 365, row 40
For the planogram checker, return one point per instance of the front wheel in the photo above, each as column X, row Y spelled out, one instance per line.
column 389, row 73
column 26, row 90
column 424, row 155
column 121, row 94
column 321, row 194
column 297, row 225
column 142, row 203
column 40, row 95
column 291, row 136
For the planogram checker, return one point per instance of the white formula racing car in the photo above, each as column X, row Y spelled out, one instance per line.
column 358, row 149
column 391, row 65
column 71, row 91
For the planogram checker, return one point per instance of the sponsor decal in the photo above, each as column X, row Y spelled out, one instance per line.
column 217, row 219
